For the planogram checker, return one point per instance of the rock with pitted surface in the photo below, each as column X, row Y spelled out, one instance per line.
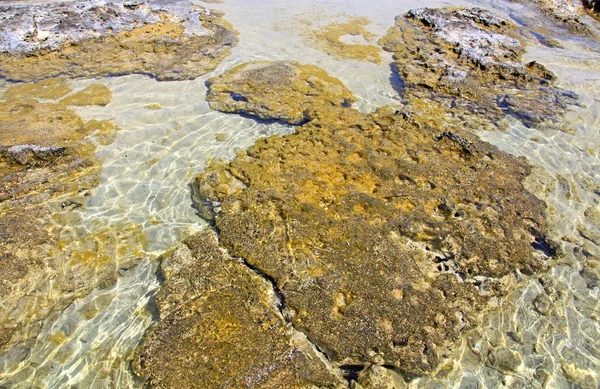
column 168, row 40
column 220, row 327
column 564, row 12
column 284, row 90
column 471, row 59
column 385, row 237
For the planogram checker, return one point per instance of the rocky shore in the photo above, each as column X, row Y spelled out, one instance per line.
column 166, row 40
column 468, row 61
column 359, row 252
column 47, row 151
column 384, row 239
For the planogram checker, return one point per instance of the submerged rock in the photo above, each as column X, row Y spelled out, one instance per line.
column 283, row 90
column 47, row 167
column 385, row 237
column 220, row 326
column 329, row 39
column 168, row 40
column 470, row 59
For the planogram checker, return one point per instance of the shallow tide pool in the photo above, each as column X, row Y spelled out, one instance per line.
column 169, row 133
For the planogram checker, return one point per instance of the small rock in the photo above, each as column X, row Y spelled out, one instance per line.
column 505, row 359
column 282, row 90
column 542, row 304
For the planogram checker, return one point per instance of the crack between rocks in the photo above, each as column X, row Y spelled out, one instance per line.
column 281, row 307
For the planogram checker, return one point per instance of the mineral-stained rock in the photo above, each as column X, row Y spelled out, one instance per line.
column 168, row 40
column 384, row 237
column 220, row 327
column 377, row 377
column 469, row 58
column 504, row 359
column 284, row 90
column 594, row 7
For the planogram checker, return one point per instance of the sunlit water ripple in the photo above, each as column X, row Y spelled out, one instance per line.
column 169, row 133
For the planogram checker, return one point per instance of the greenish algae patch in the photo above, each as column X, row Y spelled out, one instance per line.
column 338, row 36
column 220, row 137
column 382, row 225
column 100, row 249
column 24, row 119
column 153, row 107
column 53, row 89
column 95, row 94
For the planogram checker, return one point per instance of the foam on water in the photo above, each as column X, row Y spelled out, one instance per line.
column 169, row 133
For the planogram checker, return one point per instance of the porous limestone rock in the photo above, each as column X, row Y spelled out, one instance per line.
column 170, row 40
column 565, row 12
column 220, row 326
column 284, row 90
column 385, row 237
column 470, row 59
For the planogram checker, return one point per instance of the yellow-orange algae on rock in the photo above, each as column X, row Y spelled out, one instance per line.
column 385, row 236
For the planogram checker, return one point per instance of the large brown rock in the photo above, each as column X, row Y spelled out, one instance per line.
column 220, row 327
column 167, row 40
column 284, row 90
column 385, row 237
column 471, row 60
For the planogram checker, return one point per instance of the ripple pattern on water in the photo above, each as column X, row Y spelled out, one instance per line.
column 169, row 133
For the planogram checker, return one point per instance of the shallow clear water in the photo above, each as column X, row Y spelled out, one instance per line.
column 148, row 168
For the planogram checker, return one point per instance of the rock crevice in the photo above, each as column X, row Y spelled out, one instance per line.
column 385, row 237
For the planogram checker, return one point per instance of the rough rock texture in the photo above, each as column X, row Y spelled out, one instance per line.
column 384, row 237
column 593, row 5
column 284, row 90
column 467, row 58
column 565, row 12
column 47, row 167
column 168, row 40
column 377, row 377
column 220, row 327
